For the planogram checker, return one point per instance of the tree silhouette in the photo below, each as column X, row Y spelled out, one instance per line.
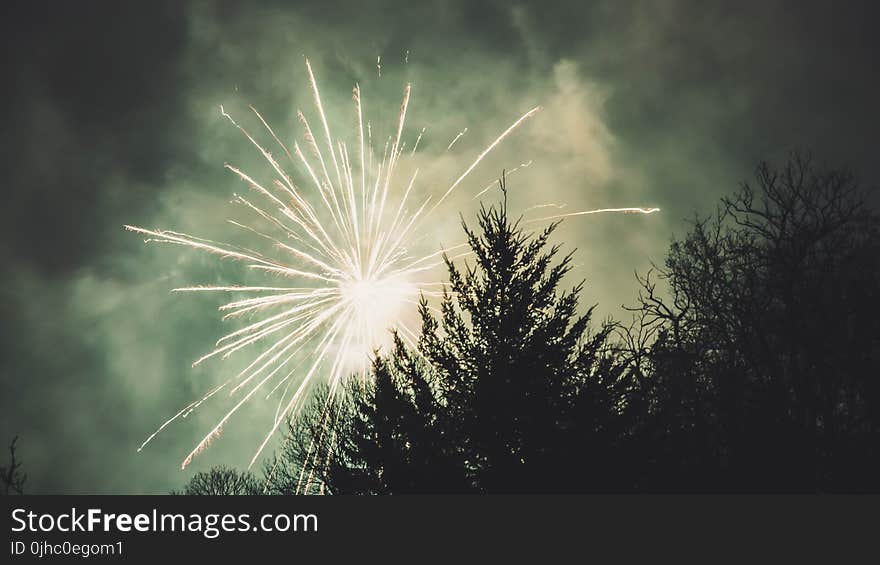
column 752, row 363
column 222, row 481
column 530, row 393
column 11, row 476
column 764, row 373
column 508, row 389
column 387, row 435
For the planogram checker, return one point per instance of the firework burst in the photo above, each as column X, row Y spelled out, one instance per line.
column 339, row 230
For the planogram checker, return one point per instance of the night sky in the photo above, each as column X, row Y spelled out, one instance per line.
column 111, row 117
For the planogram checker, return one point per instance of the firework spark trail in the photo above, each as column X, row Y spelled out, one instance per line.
column 353, row 275
column 456, row 138
column 418, row 139
column 596, row 211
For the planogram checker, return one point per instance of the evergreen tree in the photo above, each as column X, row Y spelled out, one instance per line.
column 380, row 436
column 508, row 390
column 527, row 387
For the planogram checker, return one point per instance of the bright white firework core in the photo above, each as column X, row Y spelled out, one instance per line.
column 377, row 306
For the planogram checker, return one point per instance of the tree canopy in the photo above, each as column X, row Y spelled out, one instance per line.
column 750, row 364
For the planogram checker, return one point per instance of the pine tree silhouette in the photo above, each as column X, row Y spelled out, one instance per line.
column 509, row 390
column 524, row 381
column 383, row 436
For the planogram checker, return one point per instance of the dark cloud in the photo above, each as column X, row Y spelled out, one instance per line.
column 110, row 117
column 95, row 97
